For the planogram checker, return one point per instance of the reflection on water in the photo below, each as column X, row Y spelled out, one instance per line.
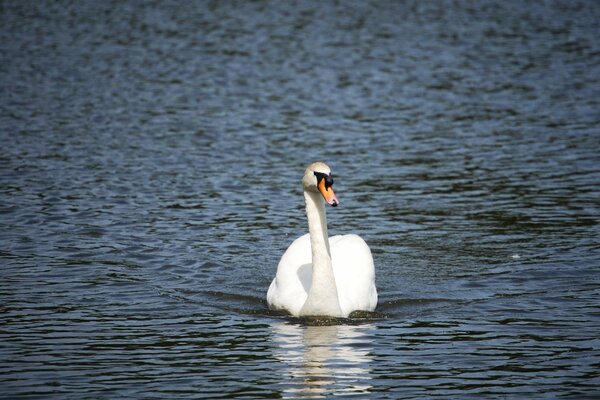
column 321, row 361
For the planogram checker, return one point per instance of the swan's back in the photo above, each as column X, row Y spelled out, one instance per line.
column 352, row 267
column 289, row 289
column 354, row 273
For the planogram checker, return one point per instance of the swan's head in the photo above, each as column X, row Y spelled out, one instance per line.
column 317, row 178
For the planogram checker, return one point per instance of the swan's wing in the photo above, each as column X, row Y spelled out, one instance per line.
column 354, row 273
column 290, row 286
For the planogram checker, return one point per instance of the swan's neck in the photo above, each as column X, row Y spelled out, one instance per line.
column 322, row 296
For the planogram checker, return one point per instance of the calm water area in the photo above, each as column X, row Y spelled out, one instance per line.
column 150, row 165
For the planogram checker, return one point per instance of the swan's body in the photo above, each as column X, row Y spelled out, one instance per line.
column 318, row 275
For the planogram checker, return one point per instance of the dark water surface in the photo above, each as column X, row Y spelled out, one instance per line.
column 150, row 181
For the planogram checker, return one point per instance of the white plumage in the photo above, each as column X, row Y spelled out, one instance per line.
column 323, row 276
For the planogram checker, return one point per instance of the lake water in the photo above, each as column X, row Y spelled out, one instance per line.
column 150, row 180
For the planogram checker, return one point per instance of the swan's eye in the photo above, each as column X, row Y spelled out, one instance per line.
column 328, row 179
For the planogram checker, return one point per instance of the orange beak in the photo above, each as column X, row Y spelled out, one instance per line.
column 328, row 194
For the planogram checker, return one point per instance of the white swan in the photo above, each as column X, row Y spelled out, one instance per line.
column 318, row 275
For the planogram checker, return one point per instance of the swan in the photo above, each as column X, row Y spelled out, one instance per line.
column 318, row 275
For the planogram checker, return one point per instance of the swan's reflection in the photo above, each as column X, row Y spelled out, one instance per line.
column 323, row 360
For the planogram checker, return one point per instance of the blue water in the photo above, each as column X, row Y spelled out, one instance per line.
column 150, row 180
